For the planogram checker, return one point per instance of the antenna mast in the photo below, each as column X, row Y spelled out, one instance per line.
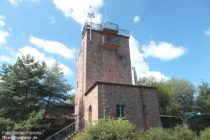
column 91, row 15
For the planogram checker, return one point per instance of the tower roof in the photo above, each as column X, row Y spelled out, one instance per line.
column 106, row 25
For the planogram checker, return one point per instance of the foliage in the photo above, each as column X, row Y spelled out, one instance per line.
column 165, row 94
column 109, row 130
column 203, row 99
column 183, row 102
column 55, row 85
column 28, row 90
column 123, row 130
column 182, row 132
column 83, row 135
column 71, row 100
column 34, row 122
column 175, row 96
column 147, row 81
column 6, row 124
column 205, row 135
column 199, row 122
column 157, row 134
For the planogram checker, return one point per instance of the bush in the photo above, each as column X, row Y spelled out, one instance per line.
column 157, row 134
column 123, row 130
column 83, row 135
column 182, row 132
column 205, row 135
column 109, row 130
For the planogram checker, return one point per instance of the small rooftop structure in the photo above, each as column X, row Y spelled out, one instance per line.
column 108, row 28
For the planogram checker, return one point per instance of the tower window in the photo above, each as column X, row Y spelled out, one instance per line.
column 108, row 39
column 120, row 110
column 120, row 57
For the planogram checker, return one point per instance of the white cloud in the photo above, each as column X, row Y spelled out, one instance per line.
column 5, row 59
column 137, row 58
column 3, row 34
column 207, row 31
column 156, row 74
column 136, row 19
column 164, row 51
column 53, row 47
column 66, row 69
column 14, row 2
column 8, row 55
column 72, row 92
column 137, row 61
column 39, row 56
column 78, row 9
column 33, row 52
column 2, row 23
column 17, row 2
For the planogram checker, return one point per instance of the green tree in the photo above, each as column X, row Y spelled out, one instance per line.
column 165, row 94
column 27, row 90
column 175, row 96
column 201, row 120
column 203, row 99
column 6, row 100
column 71, row 100
column 56, row 85
column 184, row 103
column 19, row 92
column 147, row 81
column 55, row 90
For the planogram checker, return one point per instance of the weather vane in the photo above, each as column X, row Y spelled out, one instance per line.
column 91, row 14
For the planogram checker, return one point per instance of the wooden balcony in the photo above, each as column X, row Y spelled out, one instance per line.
column 110, row 42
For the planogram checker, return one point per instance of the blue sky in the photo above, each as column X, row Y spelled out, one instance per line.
column 169, row 38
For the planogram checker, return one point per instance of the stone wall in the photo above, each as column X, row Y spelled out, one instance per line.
column 91, row 101
column 80, row 82
column 135, row 98
column 152, row 107
column 107, row 65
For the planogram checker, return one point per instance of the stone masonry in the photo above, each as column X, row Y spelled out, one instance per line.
column 104, row 80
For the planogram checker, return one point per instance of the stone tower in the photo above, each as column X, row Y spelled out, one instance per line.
column 104, row 83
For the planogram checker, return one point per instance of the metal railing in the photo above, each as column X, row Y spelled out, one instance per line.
column 63, row 133
column 107, row 25
column 93, row 26
column 123, row 32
